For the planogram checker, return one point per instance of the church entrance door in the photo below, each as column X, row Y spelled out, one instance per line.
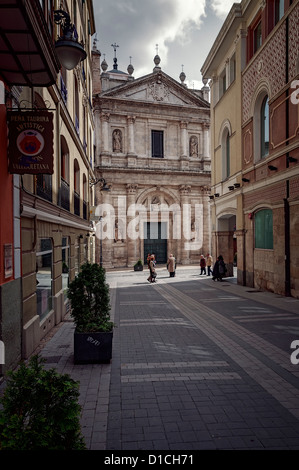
column 155, row 241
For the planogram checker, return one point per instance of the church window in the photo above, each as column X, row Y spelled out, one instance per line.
column 157, row 144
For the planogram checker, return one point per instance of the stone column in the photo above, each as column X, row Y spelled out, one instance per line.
column 184, row 143
column 105, row 133
column 132, row 255
column 206, row 140
column 130, row 121
column 185, row 224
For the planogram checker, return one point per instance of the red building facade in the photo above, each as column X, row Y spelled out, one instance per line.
column 268, row 246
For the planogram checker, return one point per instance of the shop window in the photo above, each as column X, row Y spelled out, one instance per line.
column 77, row 256
column 44, row 276
column 263, row 227
column 65, row 265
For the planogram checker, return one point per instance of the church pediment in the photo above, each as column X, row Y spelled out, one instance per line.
column 156, row 88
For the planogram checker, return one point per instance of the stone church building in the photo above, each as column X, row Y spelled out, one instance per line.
column 152, row 152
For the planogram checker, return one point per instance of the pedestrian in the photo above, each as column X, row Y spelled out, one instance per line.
column 202, row 265
column 171, row 265
column 153, row 274
column 219, row 269
column 148, row 260
column 209, row 264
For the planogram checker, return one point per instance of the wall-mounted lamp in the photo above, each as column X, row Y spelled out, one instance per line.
column 246, row 180
column 69, row 51
column 100, row 180
column 237, row 185
column 272, row 168
column 216, row 194
column 231, row 188
column 292, row 159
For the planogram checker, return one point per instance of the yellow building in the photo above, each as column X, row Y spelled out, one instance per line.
column 223, row 67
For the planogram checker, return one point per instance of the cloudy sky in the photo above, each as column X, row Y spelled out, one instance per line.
column 184, row 31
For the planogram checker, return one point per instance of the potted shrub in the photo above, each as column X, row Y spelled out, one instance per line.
column 138, row 266
column 90, row 309
column 40, row 410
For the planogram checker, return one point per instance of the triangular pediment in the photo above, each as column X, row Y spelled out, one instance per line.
column 156, row 87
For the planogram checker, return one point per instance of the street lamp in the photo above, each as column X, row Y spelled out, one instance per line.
column 69, row 51
column 100, row 180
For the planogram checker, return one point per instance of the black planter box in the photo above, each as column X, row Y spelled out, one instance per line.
column 92, row 348
column 139, row 267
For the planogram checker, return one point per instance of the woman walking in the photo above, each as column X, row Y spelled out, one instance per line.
column 153, row 274
column 171, row 265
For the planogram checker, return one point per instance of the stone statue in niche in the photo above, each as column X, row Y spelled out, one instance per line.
column 193, row 146
column 117, row 140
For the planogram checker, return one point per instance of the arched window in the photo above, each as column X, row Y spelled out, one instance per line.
column 261, row 122
column 44, row 276
column 225, row 144
column 265, row 127
column 65, row 175
column 263, row 229
column 278, row 10
column 76, row 176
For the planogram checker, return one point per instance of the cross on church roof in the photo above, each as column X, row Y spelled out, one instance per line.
column 114, row 47
column 115, row 59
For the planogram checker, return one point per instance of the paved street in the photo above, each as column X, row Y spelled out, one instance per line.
column 196, row 365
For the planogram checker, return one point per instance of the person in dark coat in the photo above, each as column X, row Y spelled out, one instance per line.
column 202, row 265
column 219, row 269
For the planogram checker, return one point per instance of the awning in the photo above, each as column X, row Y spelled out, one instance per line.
column 27, row 53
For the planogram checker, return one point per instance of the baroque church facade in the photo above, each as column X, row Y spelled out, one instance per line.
column 152, row 152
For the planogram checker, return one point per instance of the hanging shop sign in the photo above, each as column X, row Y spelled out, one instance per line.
column 30, row 147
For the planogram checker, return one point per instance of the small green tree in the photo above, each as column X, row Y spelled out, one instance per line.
column 90, row 300
column 40, row 410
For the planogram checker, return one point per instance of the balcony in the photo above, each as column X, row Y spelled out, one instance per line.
column 76, row 204
column 65, row 195
column 44, row 187
column 85, row 210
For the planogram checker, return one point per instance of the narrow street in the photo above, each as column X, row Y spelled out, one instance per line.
column 196, row 365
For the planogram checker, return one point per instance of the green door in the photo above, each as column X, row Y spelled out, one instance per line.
column 155, row 241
